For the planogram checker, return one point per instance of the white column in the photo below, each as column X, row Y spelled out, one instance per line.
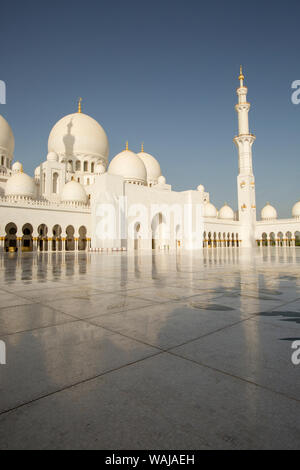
column 19, row 236
column 63, row 242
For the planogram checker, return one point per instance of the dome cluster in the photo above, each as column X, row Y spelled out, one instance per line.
column 129, row 165
column 209, row 210
column 269, row 212
column 78, row 136
column 138, row 168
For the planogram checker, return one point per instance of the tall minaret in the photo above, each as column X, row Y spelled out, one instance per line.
column 245, row 179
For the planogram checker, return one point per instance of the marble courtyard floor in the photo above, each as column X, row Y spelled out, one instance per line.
column 150, row 351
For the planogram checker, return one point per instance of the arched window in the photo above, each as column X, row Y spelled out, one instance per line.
column 92, row 167
column 55, row 183
column 78, row 165
column 85, row 166
column 2, row 160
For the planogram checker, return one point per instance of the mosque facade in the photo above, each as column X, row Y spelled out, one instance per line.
column 79, row 201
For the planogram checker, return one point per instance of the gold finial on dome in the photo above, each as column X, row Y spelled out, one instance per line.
column 79, row 105
column 21, row 168
column 142, row 148
column 126, row 148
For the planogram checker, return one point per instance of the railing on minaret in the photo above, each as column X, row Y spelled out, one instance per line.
column 245, row 180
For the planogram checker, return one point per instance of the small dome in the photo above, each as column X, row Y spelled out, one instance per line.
column 7, row 140
column 200, row 188
column 296, row 209
column 226, row 213
column 20, row 184
column 52, row 157
column 161, row 180
column 152, row 167
column 209, row 210
column 100, row 169
column 74, row 192
column 17, row 167
column 128, row 165
column 268, row 212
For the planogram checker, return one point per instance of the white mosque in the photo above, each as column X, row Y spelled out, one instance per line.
column 63, row 207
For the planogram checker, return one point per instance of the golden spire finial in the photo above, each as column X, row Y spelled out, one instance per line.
column 142, row 149
column 126, row 148
column 79, row 105
column 241, row 76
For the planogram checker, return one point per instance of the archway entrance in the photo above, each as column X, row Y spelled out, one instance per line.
column 27, row 242
column 70, row 241
column 10, row 243
column 56, row 240
column 82, row 239
column 42, row 237
column 157, row 228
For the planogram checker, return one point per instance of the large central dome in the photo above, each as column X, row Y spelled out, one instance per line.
column 7, row 141
column 78, row 134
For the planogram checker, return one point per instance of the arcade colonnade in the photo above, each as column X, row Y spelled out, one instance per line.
column 221, row 239
column 26, row 237
column 280, row 238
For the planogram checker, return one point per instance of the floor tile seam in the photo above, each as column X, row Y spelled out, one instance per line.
column 43, row 327
column 228, row 374
column 75, row 384
column 250, row 317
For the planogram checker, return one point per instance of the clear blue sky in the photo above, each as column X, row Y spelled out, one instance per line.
column 162, row 72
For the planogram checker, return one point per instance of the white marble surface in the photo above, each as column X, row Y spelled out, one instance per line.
column 148, row 351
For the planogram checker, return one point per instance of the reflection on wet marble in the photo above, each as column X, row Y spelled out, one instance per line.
column 147, row 351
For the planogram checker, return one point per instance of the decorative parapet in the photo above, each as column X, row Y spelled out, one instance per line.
column 278, row 221
column 23, row 201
